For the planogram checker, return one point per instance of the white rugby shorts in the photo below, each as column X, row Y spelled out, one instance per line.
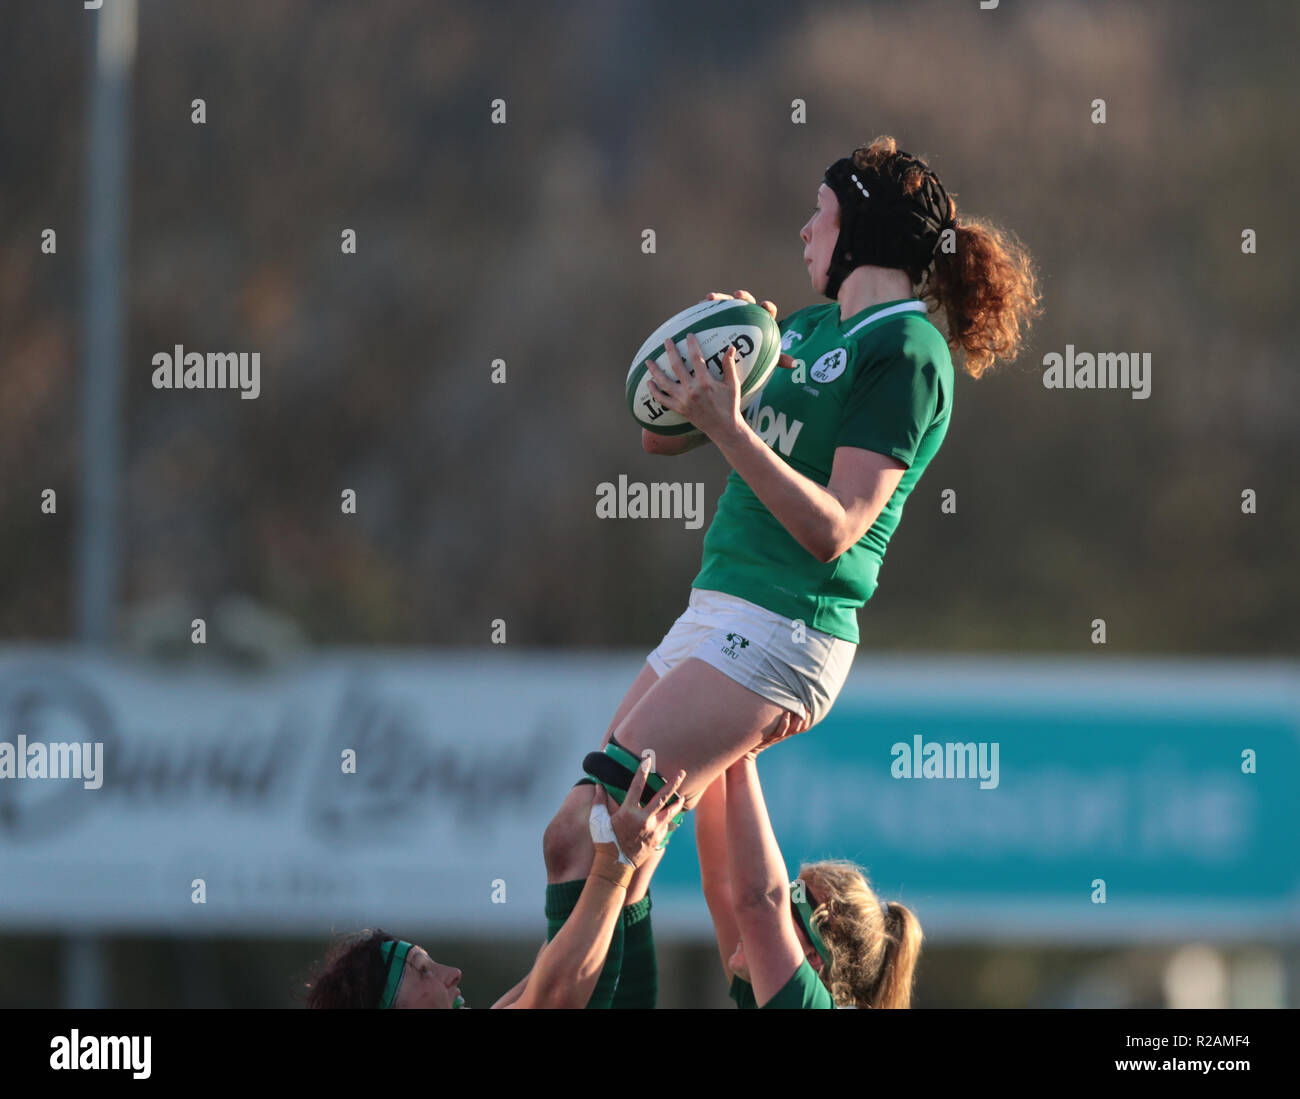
column 757, row 648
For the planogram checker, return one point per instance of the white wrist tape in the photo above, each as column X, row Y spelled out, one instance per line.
column 602, row 831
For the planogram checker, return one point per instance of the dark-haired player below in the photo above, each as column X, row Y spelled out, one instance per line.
column 373, row 969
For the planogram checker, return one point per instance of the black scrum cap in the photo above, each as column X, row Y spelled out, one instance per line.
column 879, row 223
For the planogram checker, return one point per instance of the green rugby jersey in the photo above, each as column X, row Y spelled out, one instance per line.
column 881, row 380
column 803, row 991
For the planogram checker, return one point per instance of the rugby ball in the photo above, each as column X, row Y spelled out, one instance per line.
column 749, row 328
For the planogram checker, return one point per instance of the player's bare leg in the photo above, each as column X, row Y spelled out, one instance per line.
column 573, row 811
column 696, row 719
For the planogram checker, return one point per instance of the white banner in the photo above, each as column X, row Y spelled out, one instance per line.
column 1170, row 782
column 238, row 781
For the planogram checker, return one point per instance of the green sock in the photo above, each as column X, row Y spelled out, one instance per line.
column 561, row 899
column 638, row 985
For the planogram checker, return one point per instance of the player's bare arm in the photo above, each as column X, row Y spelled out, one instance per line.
column 825, row 521
column 568, row 967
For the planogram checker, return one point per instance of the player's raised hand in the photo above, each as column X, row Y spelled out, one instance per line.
column 711, row 404
column 789, row 725
column 784, row 361
column 717, row 295
column 642, row 829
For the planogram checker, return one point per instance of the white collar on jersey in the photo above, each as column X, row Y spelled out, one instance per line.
column 902, row 307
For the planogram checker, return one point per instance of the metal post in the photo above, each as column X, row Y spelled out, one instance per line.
column 101, row 349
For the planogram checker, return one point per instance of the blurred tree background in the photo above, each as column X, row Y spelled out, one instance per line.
column 523, row 242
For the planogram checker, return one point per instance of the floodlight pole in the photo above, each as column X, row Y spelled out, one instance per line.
column 113, row 58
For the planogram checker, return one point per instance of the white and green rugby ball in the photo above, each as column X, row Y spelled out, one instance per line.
column 749, row 328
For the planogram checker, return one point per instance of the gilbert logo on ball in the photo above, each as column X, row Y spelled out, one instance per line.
column 734, row 322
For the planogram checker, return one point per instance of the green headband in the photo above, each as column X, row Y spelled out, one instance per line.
column 803, row 912
column 394, row 954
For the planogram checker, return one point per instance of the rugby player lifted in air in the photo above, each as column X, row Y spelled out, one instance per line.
column 822, row 464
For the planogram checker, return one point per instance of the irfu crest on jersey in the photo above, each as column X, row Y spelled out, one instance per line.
column 830, row 366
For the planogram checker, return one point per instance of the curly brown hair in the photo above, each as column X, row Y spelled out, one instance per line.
column 353, row 973
column 982, row 278
column 873, row 949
